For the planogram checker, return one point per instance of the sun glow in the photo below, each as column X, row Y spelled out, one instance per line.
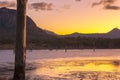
column 90, row 20
column 60, row 66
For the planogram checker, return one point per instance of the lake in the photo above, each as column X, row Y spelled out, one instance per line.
column 101, row 64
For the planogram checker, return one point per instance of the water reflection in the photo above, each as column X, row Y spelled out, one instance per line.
column 73, row 65
column 69, row 69
column 62, row 67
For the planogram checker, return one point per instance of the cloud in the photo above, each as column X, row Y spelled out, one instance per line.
column 36, row 6
column 107, row 4
column 77, row 0
column 42, row 6
column 104, row 2
column 7, row 4
column 112, row 7
column 66, row 6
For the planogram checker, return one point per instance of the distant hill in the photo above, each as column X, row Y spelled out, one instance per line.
column 8, row 26
column 38, row 38
column 51, row 33
column 114, row 33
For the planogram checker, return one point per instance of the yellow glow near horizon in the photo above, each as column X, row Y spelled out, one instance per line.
column 79, row 18
column 69, row 16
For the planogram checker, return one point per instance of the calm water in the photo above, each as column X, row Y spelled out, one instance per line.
column 63, row 64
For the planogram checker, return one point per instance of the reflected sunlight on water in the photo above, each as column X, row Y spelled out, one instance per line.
column 103, row 64
column 60, row 67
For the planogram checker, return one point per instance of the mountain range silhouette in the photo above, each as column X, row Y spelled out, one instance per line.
column 8, row 26
column 114, row 33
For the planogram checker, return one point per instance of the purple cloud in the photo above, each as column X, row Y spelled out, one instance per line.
column 42, row 6
column 107, row 4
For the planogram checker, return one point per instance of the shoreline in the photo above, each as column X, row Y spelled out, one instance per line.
column 80, row 75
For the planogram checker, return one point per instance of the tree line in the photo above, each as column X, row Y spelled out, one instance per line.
column 67, row 43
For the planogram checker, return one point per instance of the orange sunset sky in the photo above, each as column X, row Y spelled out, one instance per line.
column 69, row 16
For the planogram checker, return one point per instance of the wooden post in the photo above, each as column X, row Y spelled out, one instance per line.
column 20, row 47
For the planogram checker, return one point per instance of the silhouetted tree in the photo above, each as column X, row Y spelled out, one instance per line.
column 20, row 47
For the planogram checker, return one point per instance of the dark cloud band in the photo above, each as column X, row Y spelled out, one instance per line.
column 108, row 4
column 42, row 6
column 77, row 0
column 112, row 7
column 37, row 6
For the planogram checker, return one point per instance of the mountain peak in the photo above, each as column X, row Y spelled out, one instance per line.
column 8, row 26
column 115, row 30
column 3, row 8
column 75, row 33
column 7, row 11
